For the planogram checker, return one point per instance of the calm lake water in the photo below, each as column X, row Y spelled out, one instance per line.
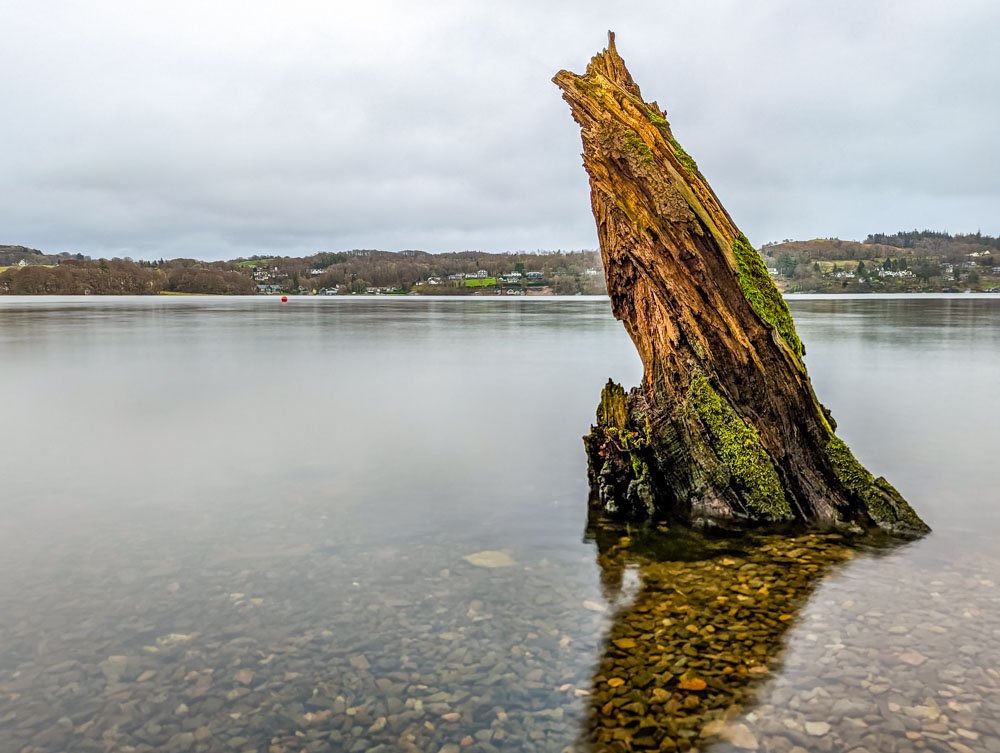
column 235, row 525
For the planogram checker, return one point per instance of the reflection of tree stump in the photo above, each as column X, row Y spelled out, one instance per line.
column 725, row 426
column 685, row 658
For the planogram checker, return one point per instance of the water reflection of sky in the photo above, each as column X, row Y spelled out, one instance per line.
column 290, row 488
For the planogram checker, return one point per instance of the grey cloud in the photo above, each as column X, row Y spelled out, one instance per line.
column 168, row 129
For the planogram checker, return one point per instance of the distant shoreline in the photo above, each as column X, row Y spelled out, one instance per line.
column 910, row 262
column 343, row 299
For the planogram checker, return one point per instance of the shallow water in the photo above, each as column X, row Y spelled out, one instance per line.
column 228, row 524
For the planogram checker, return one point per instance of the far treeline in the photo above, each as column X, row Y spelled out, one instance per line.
column 917, row 261
column 25, row 271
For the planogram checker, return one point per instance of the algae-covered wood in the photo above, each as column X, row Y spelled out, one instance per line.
column 725, row 426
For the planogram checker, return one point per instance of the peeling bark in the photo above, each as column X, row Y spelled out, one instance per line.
column 725, row 427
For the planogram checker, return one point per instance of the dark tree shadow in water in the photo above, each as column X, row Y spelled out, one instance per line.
column 686, row 655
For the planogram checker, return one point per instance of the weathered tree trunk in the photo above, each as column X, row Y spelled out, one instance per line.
column 725, row 427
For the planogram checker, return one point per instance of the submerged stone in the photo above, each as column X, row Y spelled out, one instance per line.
column 490, row 558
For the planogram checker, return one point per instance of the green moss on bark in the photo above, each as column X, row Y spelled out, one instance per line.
column 635, row 144
column 682, row 156
column 613, row 408
column 656, row 119
column 760, row 290
column 885, row 505
column 618, row 451
column 738, row 445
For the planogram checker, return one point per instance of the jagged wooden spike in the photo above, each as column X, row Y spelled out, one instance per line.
column 725, row 426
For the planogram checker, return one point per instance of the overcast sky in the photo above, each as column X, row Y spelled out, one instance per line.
column 217, row 129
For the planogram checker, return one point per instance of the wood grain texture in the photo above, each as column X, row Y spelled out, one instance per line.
column 725, row 427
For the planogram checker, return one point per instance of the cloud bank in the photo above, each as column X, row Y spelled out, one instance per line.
column 214, row 130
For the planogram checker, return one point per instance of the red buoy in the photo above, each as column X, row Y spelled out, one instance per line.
column 284, row 299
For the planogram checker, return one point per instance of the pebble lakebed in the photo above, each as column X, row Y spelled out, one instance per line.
column 734, row 648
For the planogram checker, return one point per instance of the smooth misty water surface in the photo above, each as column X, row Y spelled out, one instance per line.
column 235, row 525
